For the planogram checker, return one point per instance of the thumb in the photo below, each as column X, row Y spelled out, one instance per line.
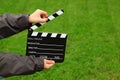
column 50, row 62
column 42, row 20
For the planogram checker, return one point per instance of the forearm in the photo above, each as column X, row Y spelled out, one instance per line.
column 11, row 65
column 11, row 24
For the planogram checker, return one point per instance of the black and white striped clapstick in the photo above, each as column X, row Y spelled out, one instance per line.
column 51, row 17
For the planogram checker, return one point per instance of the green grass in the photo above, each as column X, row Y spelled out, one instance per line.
column 93, row 45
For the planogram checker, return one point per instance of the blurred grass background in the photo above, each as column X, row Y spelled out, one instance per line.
column 93, row 45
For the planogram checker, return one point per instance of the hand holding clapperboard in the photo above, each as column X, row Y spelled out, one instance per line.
column 45, row 44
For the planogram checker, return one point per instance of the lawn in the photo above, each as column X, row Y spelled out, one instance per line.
column 93, row 44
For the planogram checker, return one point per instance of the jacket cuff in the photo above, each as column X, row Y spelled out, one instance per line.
column 40, row 64
column 24, row 22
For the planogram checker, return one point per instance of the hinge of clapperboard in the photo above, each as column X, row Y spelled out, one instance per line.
column 51, row 17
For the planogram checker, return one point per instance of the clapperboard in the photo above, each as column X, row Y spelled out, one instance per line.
column 47, row 45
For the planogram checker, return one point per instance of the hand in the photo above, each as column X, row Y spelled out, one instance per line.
column 39, row 16
column 48, row 63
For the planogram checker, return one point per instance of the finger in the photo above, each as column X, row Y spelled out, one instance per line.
column 43, row 13
column 43, row 20
column 44, row 16
column 50, row 62
column 50, row 65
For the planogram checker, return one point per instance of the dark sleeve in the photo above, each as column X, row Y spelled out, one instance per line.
column 11, row 65
column 11, row 24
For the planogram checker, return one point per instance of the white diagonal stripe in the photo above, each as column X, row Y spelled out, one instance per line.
column 59, row 12
column 44, row 34
column 34, row 27
column 42, row 23
column 51, row 17
column 63, row 35
column 34, row 34
column 54, row 35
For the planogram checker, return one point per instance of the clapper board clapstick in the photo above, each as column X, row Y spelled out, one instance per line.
column 47, row 45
